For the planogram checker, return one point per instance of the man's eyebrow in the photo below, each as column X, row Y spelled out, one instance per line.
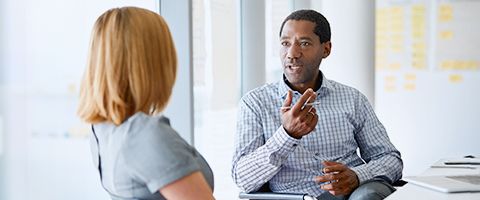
column 306, row 38
column 301, row 38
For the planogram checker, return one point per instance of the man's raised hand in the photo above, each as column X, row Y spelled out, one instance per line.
column 300, row 119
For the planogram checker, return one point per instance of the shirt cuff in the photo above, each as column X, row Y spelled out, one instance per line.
column 363, row 173
column 283, row 143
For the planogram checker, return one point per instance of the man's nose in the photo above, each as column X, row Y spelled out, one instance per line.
column 294, row 52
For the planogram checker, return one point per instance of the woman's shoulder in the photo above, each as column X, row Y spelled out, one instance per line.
column 149, row 128
column 154, row 153
column 144, row 124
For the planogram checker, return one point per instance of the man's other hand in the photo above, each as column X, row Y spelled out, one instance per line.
column 338, row 178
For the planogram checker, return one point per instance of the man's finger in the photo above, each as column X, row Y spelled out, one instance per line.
column 288, row 100
column 309, row 116
column 336, row 192
column 314, row 120
column 311, row 99
column 322, row 179
column 333, row 186
column 306, row 95
column 331, row 166
column 330, row 163
column 334, row 168
column 328, row 186
column 327, row 177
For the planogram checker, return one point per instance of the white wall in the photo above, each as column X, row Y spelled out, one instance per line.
column 2, row 12
column 351, row 61
column 252, row 44
column 180, row 108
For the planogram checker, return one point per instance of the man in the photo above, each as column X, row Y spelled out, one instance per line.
column 301, row 135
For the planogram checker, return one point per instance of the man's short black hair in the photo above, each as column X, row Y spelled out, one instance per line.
column 322, row 27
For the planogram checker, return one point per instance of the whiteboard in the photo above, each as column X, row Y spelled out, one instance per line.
column 427, row 78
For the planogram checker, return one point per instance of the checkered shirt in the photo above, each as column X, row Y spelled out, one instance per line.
column 264, row 152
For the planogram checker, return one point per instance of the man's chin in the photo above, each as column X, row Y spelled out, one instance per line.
column 294, row 78
column 294, row 81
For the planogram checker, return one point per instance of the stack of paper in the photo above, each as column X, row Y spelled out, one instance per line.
column 470, row 163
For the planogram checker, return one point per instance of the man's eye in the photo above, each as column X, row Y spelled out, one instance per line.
column 284, row 43
column 305, row 44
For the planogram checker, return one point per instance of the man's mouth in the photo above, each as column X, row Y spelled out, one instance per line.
column 294, row 67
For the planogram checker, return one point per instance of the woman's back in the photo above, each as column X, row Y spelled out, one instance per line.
column 129, row 78
column 142, row 155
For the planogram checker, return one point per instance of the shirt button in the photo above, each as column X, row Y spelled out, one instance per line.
column 294, row 145
column 317, row 154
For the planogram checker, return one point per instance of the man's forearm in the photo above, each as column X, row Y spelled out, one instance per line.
column 252, row 169
column 255, row 169
column 389, row 166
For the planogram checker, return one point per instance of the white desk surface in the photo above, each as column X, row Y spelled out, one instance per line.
column 411, row 191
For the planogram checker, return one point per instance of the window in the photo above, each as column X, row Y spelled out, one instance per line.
column 217, row 80
column 216, row 87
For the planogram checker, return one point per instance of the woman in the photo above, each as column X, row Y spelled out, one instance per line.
column 128, row 81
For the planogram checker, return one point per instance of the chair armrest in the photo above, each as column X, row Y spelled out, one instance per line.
column 399, row 183
column 271, row 195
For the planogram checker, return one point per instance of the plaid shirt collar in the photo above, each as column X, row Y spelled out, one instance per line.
column 324, row 89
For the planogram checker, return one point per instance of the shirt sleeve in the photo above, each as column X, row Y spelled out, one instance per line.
column 158, row 156
column 382, row 158
column 255, row 160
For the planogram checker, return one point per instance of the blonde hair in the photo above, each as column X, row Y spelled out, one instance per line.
column 131, row 67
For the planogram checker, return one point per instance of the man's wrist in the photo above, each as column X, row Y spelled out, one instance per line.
column 362, row 172
column 291, row 134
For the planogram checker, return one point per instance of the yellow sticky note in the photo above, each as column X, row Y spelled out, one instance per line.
column 446, row 65
column 446, row 35
column 396, row 10
column 420, row 33
column 410, row 77
column 445, row 12
column 419, row 65
column 409, row 86
column 419, row 46
column 473, row 65
column 390, row 79
column 394, row 66
column 455, row 78
column 445, row 9
column 390, row 88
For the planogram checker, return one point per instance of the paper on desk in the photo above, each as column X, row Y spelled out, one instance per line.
column 471, row 163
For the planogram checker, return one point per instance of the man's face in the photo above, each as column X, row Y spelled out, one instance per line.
column 301, row 52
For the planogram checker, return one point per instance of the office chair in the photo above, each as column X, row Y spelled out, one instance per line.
column 277, row 196
column 265, row 193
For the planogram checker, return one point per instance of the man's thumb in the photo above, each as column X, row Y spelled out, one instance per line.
column 329, row 163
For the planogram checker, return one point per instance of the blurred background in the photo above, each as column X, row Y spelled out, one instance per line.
column 417, row 61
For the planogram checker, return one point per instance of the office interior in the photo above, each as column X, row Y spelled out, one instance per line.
column 417, row 61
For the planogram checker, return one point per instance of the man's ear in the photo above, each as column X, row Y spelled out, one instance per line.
column 327, row 48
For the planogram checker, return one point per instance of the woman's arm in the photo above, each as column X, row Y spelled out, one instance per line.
column 193, row 186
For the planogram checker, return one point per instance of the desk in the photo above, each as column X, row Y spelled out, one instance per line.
column 411, row 191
